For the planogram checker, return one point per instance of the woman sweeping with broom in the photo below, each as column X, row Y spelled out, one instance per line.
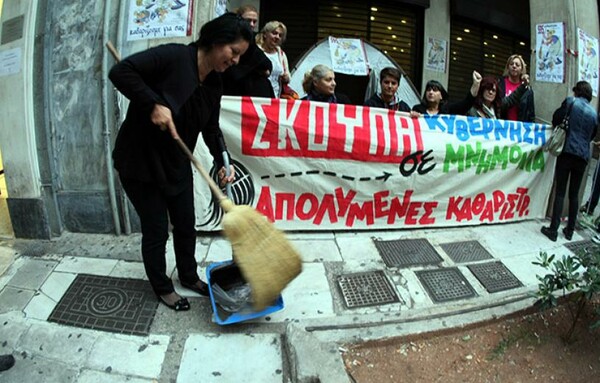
column 175, row 93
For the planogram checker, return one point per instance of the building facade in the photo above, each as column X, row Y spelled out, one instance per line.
column 60, row 114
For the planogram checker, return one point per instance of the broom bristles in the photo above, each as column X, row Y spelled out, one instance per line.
column 265, row 257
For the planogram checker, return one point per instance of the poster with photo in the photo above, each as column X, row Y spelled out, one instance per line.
column 550, row 55
column 348, row 56
column 587, row 59
column 156, row 19
column 436, row 55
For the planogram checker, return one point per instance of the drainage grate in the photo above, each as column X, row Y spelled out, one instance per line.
column 407, row 252
column 366, row 289
column 121, row 305
column 445, row 285
column 467, row 251
column 577, row 247
column 494, row 276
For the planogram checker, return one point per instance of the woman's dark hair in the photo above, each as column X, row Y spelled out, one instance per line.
column 225, row 29
column 487, row 83
column 583, row 89
column 436, row 85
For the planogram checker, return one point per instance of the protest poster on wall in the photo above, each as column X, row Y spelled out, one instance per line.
column 436, row 55
column 550, row 55
column 155, row 19
column 348, row 56
column 587, row 59
column 316, row 166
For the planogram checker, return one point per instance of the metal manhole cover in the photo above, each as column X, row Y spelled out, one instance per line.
column 494, row 276
column 466, row 251
column 581, row 246
column 121, row 305
column 407, row 252
column 366, row 289
column 445, row 285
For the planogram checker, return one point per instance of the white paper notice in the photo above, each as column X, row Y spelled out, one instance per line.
column 10, row 61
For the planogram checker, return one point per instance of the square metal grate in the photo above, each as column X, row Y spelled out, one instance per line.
column 366, row 289
column 121, row 305
column 445, row 285
column 466, row 251
column 407, row 252
column 494, row 276
column 581, row 246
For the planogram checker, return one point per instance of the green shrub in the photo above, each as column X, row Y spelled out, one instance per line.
column 577, row 277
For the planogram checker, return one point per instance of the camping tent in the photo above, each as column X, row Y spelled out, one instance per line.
column 358, row 88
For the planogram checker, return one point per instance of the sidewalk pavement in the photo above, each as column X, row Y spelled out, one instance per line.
column 301, row 343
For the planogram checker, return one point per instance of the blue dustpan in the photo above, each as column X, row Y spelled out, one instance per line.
column 229, row 269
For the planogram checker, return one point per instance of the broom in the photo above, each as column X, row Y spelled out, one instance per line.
column 265, row 257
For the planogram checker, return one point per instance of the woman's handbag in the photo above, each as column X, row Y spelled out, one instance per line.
column 559, row 135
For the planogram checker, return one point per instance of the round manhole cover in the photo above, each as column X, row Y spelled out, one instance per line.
column 107, row 301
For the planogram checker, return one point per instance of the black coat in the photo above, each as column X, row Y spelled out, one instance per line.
column 249, row 77
column 459, row 107
column 166, row 75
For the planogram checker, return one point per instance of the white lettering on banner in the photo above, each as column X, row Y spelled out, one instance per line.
column 286, row 126
column 351, row 123
column 317, row 110
column 257, row 143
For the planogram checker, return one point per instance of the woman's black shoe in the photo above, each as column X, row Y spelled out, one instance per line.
column 551, row 234
column 181, row 305
column 202, row 290
column 568, row 233
column 6, row 362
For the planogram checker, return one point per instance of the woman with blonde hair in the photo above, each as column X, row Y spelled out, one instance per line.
column 514, row 74
column 319, row 85
column 269, row 39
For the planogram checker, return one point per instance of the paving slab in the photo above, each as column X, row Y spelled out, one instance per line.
column 14, row 299
column 59, row 343
column 40, row 307
column 57, row 284
column 91, row 376
column 317, row 250
column 307, row 296
column 83, row 265
column 32, row 274
column 129, row 355
column 212, row 358
column 35, row 369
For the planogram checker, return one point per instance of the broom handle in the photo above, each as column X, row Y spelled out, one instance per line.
column 211, row 183
column 213, row 186
column 113, row 51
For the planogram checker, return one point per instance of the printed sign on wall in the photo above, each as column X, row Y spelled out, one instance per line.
column 436, row 55
column 588, row 59
column 550, row 55
column 155, row 19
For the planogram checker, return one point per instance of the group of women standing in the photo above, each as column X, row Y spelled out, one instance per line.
column 175, row 92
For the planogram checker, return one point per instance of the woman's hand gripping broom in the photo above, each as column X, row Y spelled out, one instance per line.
column 266, row 258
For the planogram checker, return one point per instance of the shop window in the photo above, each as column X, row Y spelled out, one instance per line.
column 481, row 48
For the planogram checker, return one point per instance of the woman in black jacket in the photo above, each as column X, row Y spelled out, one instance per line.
column 435, row 99
column 174, row 92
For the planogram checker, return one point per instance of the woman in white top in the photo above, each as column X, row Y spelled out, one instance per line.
column 269, row 39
